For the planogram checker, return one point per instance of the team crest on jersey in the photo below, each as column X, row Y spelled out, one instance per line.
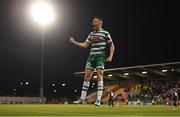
column 95, row 38
column 88, row 64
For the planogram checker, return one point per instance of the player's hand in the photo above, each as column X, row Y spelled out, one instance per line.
column 109, row 59
column 72, row 40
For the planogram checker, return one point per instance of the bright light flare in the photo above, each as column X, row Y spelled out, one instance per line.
column 164, row 70
column 126, row 74
column 144, row 72
column 43, row 13
column 27, row 83
column 110, row 75
column 63, row 84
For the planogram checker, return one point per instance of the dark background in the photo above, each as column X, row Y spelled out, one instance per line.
column 143, row 31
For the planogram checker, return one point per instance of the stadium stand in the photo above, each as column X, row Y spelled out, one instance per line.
column 145, row 84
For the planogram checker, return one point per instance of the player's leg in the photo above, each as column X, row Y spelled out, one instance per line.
column 175, row 103
column 112, row 103
column 87, row 78
column 100, row 73
column 100, row 84
column 109, row 103
column 88, row 74
column 124, row 103
column 85, row 87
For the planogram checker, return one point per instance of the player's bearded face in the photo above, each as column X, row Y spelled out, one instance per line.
column 96, row 24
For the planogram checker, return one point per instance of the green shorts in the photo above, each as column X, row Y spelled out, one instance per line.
column 96, row 61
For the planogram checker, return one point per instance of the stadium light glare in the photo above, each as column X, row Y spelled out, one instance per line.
column 164, row 70
column 144, row 72
column 27, row 83
column 126, row 74
column 53, row 84
column 63, row 84
column 110, row 75
column 43, row 13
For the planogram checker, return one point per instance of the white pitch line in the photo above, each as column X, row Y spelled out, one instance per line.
column 90, row 116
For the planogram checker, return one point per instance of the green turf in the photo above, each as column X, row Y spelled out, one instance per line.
column 85, row 110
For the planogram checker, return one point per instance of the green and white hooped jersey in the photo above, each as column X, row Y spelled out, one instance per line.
column 98, row 41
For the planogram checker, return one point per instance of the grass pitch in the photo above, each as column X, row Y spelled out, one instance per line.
column 85, row 110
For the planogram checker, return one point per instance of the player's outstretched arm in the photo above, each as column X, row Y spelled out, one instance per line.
column 81, row 45
column 112, row 48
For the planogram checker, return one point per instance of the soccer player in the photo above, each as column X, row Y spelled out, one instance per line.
column 123, row 99
column 111, row 99
column 98, row 40
column 175, row 99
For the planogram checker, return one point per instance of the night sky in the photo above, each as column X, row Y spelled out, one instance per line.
column 144, row 32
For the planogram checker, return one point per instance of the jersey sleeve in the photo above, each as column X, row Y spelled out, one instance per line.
column 88, row 40
column 109, row 39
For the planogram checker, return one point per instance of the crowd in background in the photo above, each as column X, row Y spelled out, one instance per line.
column 158, row 91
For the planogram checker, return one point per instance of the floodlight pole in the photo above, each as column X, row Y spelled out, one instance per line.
column 42, row 12
column 42, row 62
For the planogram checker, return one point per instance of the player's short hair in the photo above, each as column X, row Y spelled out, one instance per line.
column 99, row 18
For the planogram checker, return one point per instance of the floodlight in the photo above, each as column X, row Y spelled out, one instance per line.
column 43, row 13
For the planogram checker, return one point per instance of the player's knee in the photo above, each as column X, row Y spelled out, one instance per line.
column 88, row 74
column 100, row 74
